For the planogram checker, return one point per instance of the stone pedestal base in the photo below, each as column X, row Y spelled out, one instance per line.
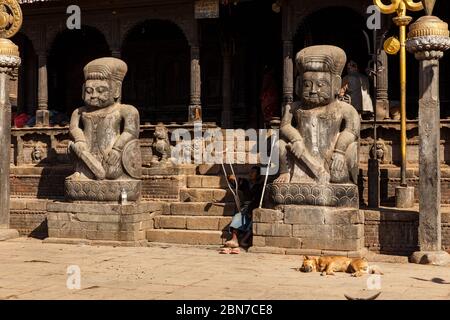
column 404, row 197
column 8, row 234
column 315, row 230
column 105, row 190
column 101, row 222
column 306, row 194
column 436, row 258
column 42, row 118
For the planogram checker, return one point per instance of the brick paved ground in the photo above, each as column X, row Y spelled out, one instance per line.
column 30, row 269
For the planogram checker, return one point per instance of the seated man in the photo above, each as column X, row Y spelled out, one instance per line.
column 251, row 191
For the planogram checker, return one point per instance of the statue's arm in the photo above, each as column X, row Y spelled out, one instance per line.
column 287, row 130
column 74, row 128
column 351, row 130
column 130, row 116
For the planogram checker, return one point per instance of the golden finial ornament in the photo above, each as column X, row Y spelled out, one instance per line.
column 11, row 19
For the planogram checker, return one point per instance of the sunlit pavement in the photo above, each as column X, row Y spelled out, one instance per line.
column 30, row 269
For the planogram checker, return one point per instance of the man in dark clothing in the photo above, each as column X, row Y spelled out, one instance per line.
column 251, row 191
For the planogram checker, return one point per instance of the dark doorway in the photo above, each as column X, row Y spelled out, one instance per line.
column 253, row 31
column 26, row 99
column 338, row 26
column 158, row 81
column 70, row 52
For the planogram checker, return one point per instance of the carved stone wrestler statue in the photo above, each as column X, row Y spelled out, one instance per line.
column 105, row 135
column 319, row 134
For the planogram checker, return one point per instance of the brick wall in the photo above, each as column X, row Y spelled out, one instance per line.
column 392, row 231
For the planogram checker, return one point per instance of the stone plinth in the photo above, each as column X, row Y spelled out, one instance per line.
column 8, row 234
column 332, row 195
column 404, row 197
column 309, row 230
column 101, row 222
column 105, row 190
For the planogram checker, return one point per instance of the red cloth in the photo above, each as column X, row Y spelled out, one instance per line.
column 21, row 120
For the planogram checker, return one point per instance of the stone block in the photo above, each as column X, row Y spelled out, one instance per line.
column 194, row 182
column 202, row 209
column 224, row 222
column 202, row 223
column 283, row 242
column 109, row 227
column 344, row 217
column 271, row 250
column 333, row 244
column 170, row 222
column 132, row 235
column 18, row 204
column 267, row 215
column 36, row 205
column 102, row 235
column 312, row 231
column 275, row 230
column 259, row 241
column 304, row 252
column 185, row 237
column 305, row 215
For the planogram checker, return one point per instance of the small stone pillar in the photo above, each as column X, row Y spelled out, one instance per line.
column 42, row 113
column 195, row 105
column 428, row 39
column 9, row 64
column 382, row 94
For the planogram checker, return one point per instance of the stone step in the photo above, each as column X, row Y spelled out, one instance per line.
column 206, row 195
column 192, row 222
column 186, row 236
column 201, row 209
column 214, row 182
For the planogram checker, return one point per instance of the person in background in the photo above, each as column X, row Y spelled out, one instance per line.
column 269, row 97
column 356, row 85
column 251, row 191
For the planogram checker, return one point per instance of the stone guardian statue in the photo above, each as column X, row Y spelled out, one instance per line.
column 105, row 133
column 320, row 134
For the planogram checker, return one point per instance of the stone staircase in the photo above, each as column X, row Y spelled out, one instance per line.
column 201, row 217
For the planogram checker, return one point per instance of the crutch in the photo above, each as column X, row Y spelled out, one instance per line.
column 235, row 192
column 267, row 173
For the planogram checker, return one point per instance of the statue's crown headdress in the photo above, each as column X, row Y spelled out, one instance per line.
column 321, row 58
column 105, row 69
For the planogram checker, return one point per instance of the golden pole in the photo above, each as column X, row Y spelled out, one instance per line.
column 402, row 21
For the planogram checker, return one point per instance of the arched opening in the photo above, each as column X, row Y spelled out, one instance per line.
column 338, row 26
column 70, row 52
column 23, row 92
column 158, row 81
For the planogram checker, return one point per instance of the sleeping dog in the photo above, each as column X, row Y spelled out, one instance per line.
column 329, row 265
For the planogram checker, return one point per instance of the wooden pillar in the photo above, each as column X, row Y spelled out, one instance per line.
column 42, row 113
column 382, row 94
column 195, row 105
column 288, row 72
column 227, row 120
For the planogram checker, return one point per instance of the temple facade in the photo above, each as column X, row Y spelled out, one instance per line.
column 214, row 61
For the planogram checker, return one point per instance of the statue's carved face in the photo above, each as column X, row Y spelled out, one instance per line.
column 161, row 133
column 317, row 89
column 99, row 93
